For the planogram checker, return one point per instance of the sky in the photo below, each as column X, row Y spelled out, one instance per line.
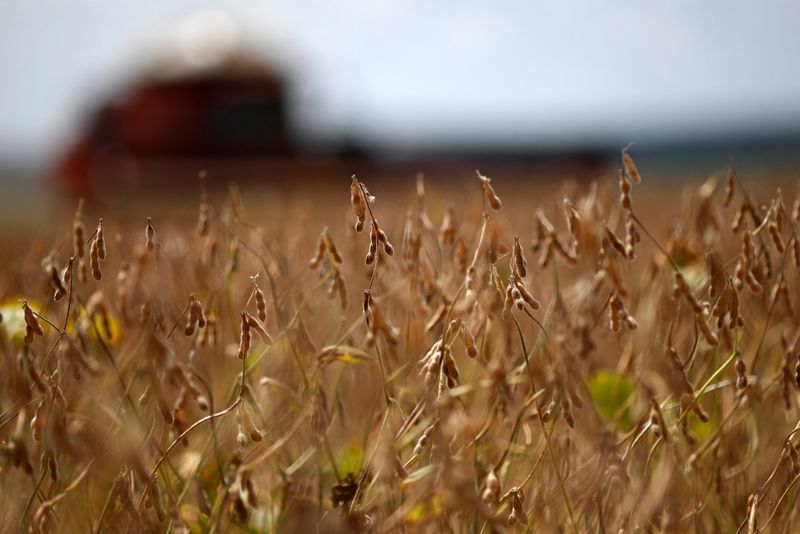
column 409, row 74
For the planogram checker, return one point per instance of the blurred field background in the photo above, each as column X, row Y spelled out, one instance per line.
column 101, row 99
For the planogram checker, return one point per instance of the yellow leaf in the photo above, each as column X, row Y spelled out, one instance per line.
column 424, row 511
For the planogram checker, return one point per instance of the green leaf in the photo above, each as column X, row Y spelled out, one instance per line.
column 350, row 460
column 610, row 392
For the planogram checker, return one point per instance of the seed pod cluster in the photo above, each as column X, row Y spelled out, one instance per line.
column 433, row 362
column 325, row 244
column 547, row 242
column 700, row 313
column 32, row 325
column 723, row 293
column 517, row 294
column 377, row 236
column 326, row 250
column 196, row 317
column 744, row 274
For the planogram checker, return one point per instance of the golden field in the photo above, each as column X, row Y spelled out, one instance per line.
column 461, row 356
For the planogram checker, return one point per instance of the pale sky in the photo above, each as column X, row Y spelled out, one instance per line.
column 409, row 74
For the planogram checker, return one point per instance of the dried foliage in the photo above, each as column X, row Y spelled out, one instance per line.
column 637, row 374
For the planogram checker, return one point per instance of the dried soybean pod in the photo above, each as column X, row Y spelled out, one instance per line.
column 630, row 166
column 101, row 241
column 488, row 192
column 358, row 203
column 150, row 234
column 261, row 304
